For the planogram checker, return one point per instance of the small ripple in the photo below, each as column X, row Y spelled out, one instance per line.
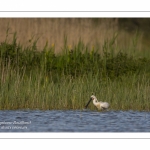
column 78, row 121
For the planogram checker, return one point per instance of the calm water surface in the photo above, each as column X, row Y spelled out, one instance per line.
column 74, row 121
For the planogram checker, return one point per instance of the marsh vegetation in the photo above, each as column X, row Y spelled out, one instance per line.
column 41, row 79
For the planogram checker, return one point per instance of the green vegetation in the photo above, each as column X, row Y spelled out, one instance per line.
column 32, row 79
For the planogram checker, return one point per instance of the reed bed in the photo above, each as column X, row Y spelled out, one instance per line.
column 32, row 79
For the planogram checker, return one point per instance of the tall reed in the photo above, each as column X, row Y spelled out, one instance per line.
column 32, row 79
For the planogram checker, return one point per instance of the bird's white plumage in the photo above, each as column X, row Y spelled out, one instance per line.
column 100, row 105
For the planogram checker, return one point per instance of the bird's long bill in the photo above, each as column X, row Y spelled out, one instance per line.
column 88, row 103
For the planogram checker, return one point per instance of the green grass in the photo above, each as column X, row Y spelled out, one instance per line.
column 32, row 79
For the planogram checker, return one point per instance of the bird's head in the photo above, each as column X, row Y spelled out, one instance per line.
column 93, row 97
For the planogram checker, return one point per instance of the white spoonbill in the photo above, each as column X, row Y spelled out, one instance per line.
column 100, row 105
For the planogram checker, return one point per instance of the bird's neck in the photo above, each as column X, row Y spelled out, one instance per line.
column 95, row 101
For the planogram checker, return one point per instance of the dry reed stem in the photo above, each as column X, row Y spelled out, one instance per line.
column 54, row 29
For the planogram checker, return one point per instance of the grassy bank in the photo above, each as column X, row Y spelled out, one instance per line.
column 44, row 80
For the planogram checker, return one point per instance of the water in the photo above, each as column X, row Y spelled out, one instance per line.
column 74, row 121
